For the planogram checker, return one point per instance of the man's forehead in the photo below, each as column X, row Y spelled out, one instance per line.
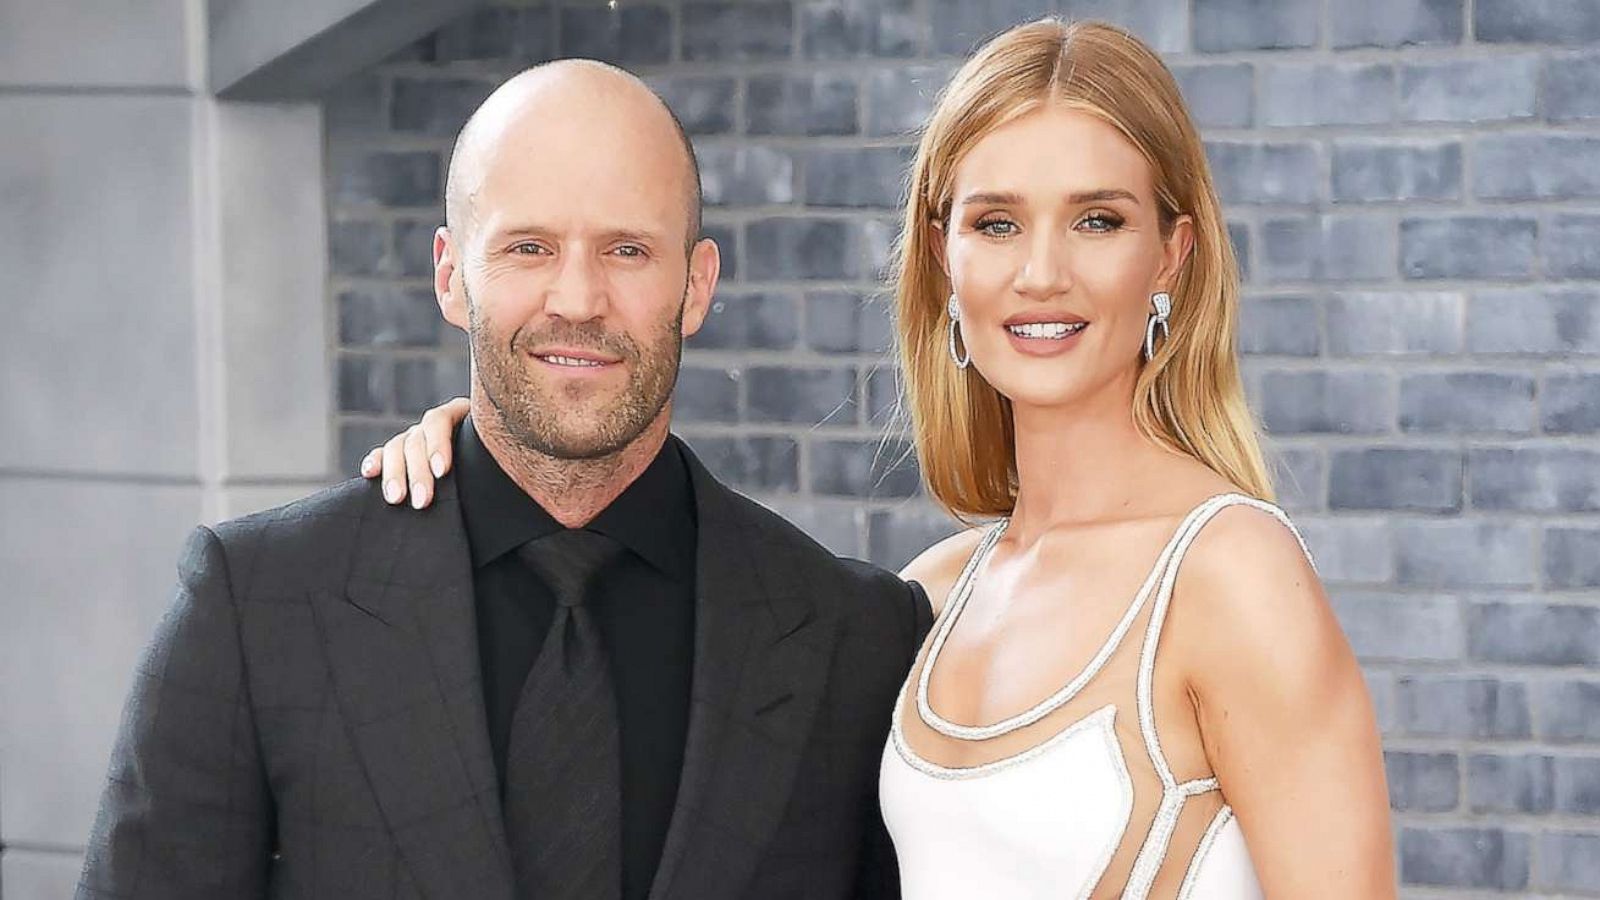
column 583, row 160
column 584, row 225
column 564, row 183
column 593, row 144
column 506, row 215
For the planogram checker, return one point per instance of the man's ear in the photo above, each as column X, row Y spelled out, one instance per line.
column 705, row 267
column 448, row 287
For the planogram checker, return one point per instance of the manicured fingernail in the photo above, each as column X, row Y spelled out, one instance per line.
column 367, row 465
column 436, row 463
column 391, row 491
column 418, row 495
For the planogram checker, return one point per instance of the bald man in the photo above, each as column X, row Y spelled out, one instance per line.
column 587, row 669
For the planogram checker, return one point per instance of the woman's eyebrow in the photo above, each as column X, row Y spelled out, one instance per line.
column 997, row 198
column 1102, row 194
column 1006, row 198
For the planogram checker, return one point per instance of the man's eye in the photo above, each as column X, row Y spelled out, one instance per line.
column 631, row 251
column 528, row 249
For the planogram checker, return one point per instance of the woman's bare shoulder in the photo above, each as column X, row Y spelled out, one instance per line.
column 938, row 567
column 1245, row 545
column 1251, row 602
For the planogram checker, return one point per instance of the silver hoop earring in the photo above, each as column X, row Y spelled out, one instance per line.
column 953, row 309
column 1162, row 301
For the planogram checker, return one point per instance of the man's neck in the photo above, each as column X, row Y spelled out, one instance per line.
column 572, row 491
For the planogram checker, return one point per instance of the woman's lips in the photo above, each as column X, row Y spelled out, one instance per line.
column 1045, row 338
column 1045, row 328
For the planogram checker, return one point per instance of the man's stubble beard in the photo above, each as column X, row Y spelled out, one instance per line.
column 541, row 419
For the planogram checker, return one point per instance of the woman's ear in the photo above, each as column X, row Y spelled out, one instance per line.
column 937, row 237
column 1176, row 248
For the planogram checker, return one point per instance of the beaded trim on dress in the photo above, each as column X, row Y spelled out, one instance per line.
column 1158, row 584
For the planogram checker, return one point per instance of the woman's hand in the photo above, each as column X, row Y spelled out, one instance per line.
column 417, row 455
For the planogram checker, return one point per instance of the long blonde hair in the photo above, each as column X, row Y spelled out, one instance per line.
column 1189, row 398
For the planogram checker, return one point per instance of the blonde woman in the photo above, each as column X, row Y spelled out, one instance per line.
column 1135, row 687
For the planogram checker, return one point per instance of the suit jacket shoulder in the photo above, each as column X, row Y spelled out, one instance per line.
column 306, row 545
column 860, row 595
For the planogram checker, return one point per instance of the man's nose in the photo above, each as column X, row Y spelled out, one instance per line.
column 578, row 292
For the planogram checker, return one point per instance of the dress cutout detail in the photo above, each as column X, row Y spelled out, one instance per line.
column 1093, row 804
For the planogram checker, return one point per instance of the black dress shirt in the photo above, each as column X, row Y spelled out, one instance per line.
column 645, row 609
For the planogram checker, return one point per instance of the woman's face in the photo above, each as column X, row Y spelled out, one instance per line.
column 1054, row 247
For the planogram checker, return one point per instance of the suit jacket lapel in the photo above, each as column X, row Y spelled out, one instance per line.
column 403, row 649
column 760, row 667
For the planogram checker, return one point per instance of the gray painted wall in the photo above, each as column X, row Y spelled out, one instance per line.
column 1415, row 188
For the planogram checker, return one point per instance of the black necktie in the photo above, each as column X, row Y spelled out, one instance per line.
column 563, row 767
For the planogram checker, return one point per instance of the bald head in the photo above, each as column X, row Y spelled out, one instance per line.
column 577, row 104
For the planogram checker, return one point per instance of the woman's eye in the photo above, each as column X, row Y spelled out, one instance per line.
column 1102, row 222
column 996, row 227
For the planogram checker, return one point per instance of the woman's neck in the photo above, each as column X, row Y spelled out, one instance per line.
column 1083, row 462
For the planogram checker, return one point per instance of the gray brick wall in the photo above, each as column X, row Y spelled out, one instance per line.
column 1414, row 188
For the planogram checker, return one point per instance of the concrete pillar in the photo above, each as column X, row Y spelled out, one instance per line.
column 165, row 348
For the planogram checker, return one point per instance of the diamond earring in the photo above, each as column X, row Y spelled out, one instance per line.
column 953, row 309
column 1162, row 301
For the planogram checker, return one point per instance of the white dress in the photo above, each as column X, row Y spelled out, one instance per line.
column 1090, row 808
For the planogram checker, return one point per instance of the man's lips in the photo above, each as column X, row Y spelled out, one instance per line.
column 574, row 358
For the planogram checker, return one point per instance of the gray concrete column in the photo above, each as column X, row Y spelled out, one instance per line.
column 165, row 358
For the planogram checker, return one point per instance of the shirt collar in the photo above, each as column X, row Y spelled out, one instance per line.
column 654, row 516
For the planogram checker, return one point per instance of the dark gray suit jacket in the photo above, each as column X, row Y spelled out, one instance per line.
column 308, row 721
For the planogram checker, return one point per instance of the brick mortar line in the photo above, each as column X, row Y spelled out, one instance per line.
column 1468, row 750
column 1254, row 291
column 1410, row 363
column 676, row 38
column 1466, row 363
column 1390, row 212
column 1398, row 130
column 1263, row 61
column 1344, row 592
column 1381, row 211
column 1469, row 668
column 1395, row 57
column 1511, row 823
column 1514, row 822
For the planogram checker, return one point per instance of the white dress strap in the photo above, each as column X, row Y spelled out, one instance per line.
column 1192, row 877
column 1154, row 850
column 1147, row 658
column 962, row 592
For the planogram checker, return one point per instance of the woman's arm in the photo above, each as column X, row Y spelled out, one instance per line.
column 417, row 456
column 1284, row 712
